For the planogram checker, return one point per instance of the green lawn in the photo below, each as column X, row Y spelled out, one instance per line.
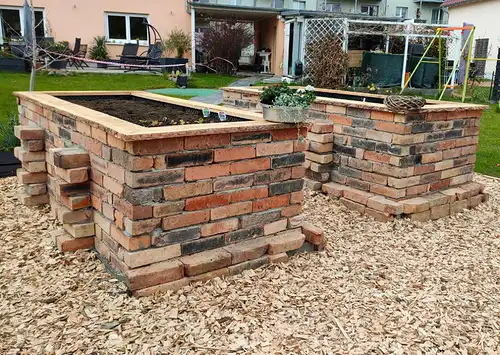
column 488, row 155
column 10, row 82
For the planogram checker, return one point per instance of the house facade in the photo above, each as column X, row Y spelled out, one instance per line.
column 122, row 21
column 483, row 14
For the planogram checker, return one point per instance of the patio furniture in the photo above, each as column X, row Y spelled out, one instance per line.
column 149, row 57
column 129, row 51
column 79, row 51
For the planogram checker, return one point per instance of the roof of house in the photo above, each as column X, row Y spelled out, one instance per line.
column 450, row 3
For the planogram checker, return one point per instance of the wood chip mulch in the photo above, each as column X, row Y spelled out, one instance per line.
column 379, row 288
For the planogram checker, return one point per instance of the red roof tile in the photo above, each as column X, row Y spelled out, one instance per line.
column 450, row 3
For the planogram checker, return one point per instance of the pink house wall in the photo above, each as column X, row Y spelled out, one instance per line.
column 68, row 19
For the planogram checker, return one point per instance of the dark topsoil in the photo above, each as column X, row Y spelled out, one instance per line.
column 144, row 112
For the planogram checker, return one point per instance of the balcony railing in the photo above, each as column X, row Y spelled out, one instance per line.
column 272, row 4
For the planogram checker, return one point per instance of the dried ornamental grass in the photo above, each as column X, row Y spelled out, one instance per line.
column 395, row 288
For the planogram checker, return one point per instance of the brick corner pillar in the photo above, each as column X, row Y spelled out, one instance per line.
column 33, row 174
column 319, row 154
column 69, row 190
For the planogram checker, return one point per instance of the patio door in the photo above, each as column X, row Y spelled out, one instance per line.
column 294, row 46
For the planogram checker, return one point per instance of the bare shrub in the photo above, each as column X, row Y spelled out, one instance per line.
column 328, row 63
column 222, row 42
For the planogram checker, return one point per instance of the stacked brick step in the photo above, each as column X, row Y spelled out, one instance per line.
column 69, row 190
column 319, row 157
column 33, row 174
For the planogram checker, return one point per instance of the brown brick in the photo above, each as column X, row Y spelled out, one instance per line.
column 275, row 227
column 320, row 138
column 400, row 183
column 236, row 153
column 156, row 146
column 300, row 145
column 432, row 157
column 271, row 202
column 392, row 127
column 357, row 195
column 340, row 120
column 285, row 241
column 234, row 209
column 248, row 250
column 131, row 162
column 423, row 216
column 69, row 158
column 415, row 205
column 250, row 138
column 377, row 157
column 233, row 182
column 373, row 177
column 250, row 166
column 161, row 288
column 103, row 223
column 73, row 176
column 33, row 145
column 128, row 242
column 382, row 116
column 184, row 190
column 80, row 230
column 379, row 216
column 220, row 273
column 278, row 258
column 66, row 243
column 247, row 194
column 155, row 274
column 353, row 205
column 320, row 147
column 334, row 189
column 387, row 191
column 219, row 227
column 154, row 178
column 185, row 219
column 286, row 134
column 113, row 186
column 25, row 177
column 440, row 211
column 297, row 197
column 151, row 256
column 35, row 167
column 29, row 133
column 379, row 136
column 26, row 157
column 458, row 206
column 274, row 175
column 385, row 205
column 76, row 202
column 275, row 148
column 475, row 201
column 206, row 142
column 290, row 211
column 28, row 200
column 313, row 234
column 248, row 265
column 321, row 127
column 207, row 172
column 320, row 158
column 168, row 208
column 36, row 189
column 209, row 201
column 141, row 226
column 133, row 212
column 201, row 263
column 116, row 142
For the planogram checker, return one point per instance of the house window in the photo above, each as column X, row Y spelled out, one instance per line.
column 126, row 28
column 330, row 6
column 299, row 5
column 402, row 11
column 371, row 10
column 12, row 26
column 437, row 16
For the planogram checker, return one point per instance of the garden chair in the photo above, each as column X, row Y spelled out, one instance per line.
column 150, row 57
column 79, row 51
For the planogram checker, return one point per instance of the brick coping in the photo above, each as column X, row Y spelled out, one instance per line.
column 131, row 132
column 431, row 106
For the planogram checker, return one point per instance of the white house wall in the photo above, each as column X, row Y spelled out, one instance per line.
column 484, row 15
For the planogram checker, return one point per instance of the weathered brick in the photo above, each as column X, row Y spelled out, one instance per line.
column 292, row 210
column 80, row 230
column 132, row 211
column 235, row 153
column 278, row 258
column 287, row 134
column 432, row 157
column 29, row 133
column 250, row 166
column 298, row 172
column 275, row 148
column 103, row 223
column 287, row 160
column 267, row 177
column 400, row 183
column 375, row 178
column 234, row 209
column 33, row 145
column 285, row 241
column 120, row 189
column 207, row 142
column 168, row 208
column 475, row 201
column 69, row 158
column 357, row 195
column 247, row 250
column 243, row 234
column 321, row 127
column 353, row 205
column 334, row 189
column 248, row 265
column 35, row 167
column 161, row 288
column 26, row 157
column 378, row 215
column 155, row 146
column 184, row 190
column 73, row 176
column 147, row 179
column 320, row 138
column 207, row 172
column 377, row 157
column 154, row 274
column 250, row 138
column 151, row 256
column 219, row 227
column 36, row 189
column 415, row 205
column 313, row 234
column 285, row 187
column 76, row 202
column 233, row 182
column 141, row 226
column 440, row 211
column 206, row 261
column 176, row 236
column 25, row 177
column 423, row 216
column 209, row 201
column 458, row 206
column 385, row 205
column 36, row 200
column 271, row 202
column 66, row 243
column 131, row 162
column 189, row 159
column 201, row 245
column 185, row 219
column 261, row 218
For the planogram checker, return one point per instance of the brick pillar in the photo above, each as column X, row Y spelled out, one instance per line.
column 33, row 174
column 69, row 189
column 319, row 156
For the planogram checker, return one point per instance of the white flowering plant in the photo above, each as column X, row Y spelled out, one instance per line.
column 282, row 95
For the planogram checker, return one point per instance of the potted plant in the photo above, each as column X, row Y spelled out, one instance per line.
column 99, row 51
column 281, row 103
column 59, row 62
column 177, row 43
column 8, row 141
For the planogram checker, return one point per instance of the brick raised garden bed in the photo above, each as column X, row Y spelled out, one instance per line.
column 169, row 205
column 386, row 164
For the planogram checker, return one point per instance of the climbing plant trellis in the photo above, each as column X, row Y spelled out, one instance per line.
column 344, row 29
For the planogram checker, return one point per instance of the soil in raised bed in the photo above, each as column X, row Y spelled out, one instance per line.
column 146, row 113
